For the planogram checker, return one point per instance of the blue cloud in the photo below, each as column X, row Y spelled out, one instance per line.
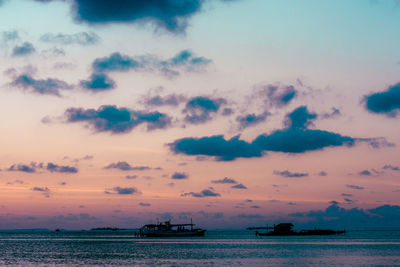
column 226, row 180
column 387, row 211
column 24, row 49
column 117, row 120
column 31, row 168
column 125, row 166
column 216, row 146
column 81, row 38
column 348, row 201
column 356, row 187
column 300, row 118
column 278, row 96
column 166, row 14
column 44, row 190
column 168, row 100
column 121, row 165
column 365, row 173
column 289, row 174
column 203, row 193
column 346, row 195
column 390, row 167
column 355, row 218
column 34, row 167
column 53, row 52
column 385, row 102
column 179, row 176
column 333, row 114
column 287, row 96
column 141, row 168
column 169, row 15
column 199, row 109
column 186, row 58
column 40, row 189
column 116, row 62
column 251, row 119
column 301, row 140
column 227, row 112
column 205, row 103
column 44, row 87
column 98, row 82
column 143, row 204
column 375, row 142
column 295, row 138
column 119, row 62
column 373, row 172
column 239, row 186
column 155, row 120
column 10, row 35
column 61, row 169
column 123, row 190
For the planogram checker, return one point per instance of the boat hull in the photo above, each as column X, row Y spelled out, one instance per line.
column 174, row 234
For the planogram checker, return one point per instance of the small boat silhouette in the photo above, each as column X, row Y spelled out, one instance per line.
column 166, row 229
column 286, row 229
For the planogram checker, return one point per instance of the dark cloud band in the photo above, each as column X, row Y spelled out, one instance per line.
column 117, row 120
column 385, row 102
column 295, row 138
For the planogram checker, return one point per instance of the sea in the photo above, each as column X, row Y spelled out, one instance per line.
column 217, row 248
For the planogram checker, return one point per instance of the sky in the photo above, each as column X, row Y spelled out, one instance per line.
column 234, row 113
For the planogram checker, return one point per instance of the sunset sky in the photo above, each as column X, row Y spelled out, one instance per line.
column 232, row 112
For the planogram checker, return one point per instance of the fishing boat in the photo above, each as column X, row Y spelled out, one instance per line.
column 286, row 229
column 166, row 229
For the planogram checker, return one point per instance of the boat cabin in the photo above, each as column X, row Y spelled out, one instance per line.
column 283, row 228
column 166, row 229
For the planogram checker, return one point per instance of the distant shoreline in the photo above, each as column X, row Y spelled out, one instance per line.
column 114, row 229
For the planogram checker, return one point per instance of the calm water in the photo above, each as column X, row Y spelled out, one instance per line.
column 218, row 248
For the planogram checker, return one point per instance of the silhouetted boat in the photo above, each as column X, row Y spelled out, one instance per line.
column 286, row 229
column 166, row 229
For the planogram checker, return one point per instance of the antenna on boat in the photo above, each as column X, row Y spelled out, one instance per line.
column 191, row 224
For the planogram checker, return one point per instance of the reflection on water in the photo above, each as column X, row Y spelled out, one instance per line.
column 218, row 248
